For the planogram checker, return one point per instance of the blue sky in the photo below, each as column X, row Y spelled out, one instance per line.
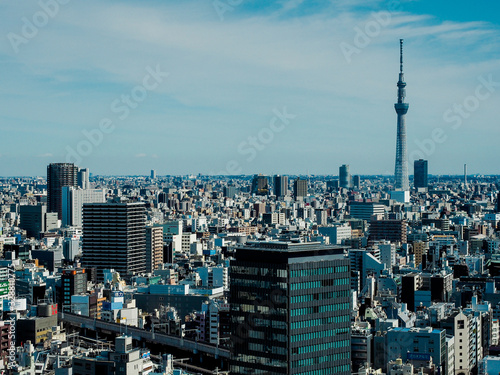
column 287, row 86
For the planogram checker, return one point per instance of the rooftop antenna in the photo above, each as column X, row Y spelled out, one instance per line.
column 401, row 55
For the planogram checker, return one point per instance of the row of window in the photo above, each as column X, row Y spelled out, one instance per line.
column 258, row 284
column 322, row 346
column 319, row 296
column 262, row 309
column 261, row 336
column 319, row 360
column 247, row 370
column 260, row 348
column 322, row 321
column 318, row 334
column 319, row 283
column 305, row 285
column 335, row 307
column 318, row 271
column 319, row 309
column 269, row 323
column 249, row 358
column 258, row 271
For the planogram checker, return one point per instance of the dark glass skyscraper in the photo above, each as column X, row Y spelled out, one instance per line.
column 280, row 185
column 260, row 185
column 114, row 236
column 344, row 176
column 58, row 176
column 420, row 173
column 356, row 182
column 290, row 309
column 300, row 188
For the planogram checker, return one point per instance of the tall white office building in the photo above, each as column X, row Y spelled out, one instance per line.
column 83, row 178
column 73, row 200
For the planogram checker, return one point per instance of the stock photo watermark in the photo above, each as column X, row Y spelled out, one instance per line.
column 224, row 6
column 121, row 107
column 455, row 115
column 250, row 147
column 372, row 29
column 242, row 330
column 11, row 296
column 49, row 9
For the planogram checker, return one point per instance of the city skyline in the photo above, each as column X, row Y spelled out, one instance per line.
column 315, row 82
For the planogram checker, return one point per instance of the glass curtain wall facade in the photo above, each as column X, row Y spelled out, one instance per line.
column 290, row 309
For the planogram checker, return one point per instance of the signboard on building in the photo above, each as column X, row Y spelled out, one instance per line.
column 4, row 288
column 418, row 356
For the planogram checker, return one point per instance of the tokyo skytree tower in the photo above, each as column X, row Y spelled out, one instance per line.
column 401, row 171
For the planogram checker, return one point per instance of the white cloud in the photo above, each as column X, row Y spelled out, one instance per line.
column 288, row 5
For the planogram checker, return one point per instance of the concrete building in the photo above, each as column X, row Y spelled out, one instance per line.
column 273, row 218
column 489, row 365
column 361, row 348
column 391, row 230
column 154, row 248
column 187, row 240
column 214, row 277
column 336, row 233
column 36, row 220
column 71, row 248
column 114, row 236
column 35, row 329
column 300, row 188
column 83, row 178
column 387, row 253
column 410, row 343
column 419, row 249
column 365, row 210
column 73, row 281
column 465, row 343
column 73, row 200
column 214, row 322
column 124, row 360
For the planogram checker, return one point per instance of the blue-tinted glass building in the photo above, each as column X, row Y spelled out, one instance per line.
column 420, row 174
column 290, row 309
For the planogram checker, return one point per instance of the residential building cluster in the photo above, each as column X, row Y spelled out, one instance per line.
column 250, row 274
